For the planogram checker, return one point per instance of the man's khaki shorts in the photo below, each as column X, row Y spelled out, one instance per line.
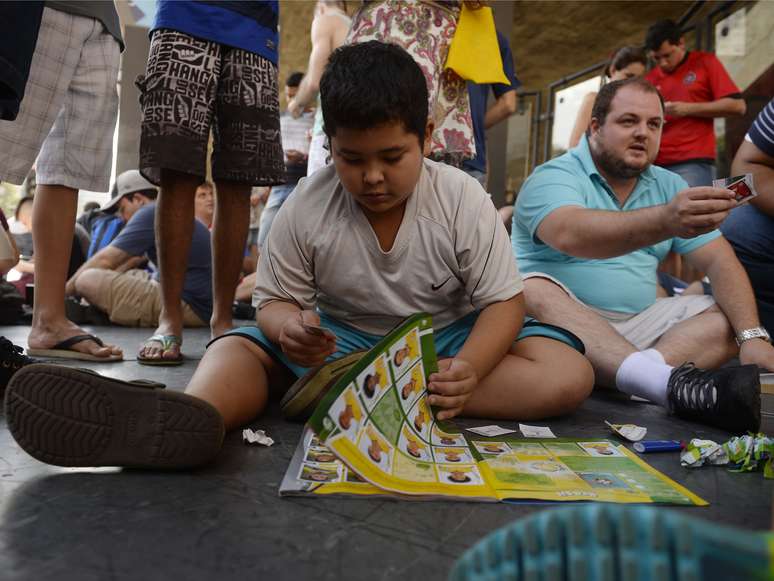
column 644, row 329
column 133, row 299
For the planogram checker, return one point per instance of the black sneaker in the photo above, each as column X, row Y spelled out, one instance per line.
column 728, row 398
column 12, row 358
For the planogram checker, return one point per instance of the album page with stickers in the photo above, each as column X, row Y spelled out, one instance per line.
column 375, row 434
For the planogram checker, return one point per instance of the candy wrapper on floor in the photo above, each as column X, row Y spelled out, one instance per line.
column 741, row 454
column 628, row 431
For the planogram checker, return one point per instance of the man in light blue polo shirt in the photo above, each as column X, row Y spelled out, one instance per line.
column 589, row 230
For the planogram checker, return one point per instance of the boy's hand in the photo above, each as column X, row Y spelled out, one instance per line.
column 452, row 386
column 301, row 346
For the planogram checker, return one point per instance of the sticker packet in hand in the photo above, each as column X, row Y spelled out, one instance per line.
column 742, row 186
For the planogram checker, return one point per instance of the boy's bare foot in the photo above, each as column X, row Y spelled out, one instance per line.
column 46, row 337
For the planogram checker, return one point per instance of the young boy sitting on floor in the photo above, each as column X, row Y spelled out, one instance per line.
column 381, row 234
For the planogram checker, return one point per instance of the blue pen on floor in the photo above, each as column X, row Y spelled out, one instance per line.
column 647, row 446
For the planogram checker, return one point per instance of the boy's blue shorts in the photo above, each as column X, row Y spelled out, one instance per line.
column 448, row 341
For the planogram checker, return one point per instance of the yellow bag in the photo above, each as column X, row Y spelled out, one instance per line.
column 474, row 53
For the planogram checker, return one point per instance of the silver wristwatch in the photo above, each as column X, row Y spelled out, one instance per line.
column 753, row 333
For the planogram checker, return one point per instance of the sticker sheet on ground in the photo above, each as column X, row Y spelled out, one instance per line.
column 562, row 469
column 377, row 421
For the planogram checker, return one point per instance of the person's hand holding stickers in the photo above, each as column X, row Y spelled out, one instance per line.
column 304, row 341
column 696, row 211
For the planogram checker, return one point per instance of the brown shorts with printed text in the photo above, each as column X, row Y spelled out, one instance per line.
column 191, row 86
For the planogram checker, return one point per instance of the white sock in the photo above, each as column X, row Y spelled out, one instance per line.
column 641, row 375
column 654, row 355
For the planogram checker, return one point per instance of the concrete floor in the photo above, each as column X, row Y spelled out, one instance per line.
column 227, row 522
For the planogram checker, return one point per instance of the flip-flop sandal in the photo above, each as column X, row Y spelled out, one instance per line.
column 64, row 350
column 166, row 342
column 75, row 417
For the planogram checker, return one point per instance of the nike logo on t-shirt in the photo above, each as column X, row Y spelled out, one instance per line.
column 435, row 287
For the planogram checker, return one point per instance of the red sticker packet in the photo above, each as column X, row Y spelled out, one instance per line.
column 742, row 186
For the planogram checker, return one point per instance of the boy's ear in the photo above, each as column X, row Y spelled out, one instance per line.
column 428, row 138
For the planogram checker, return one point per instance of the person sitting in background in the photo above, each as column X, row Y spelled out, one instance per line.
column 9, row 253
column 20, row 227
column 10, row 299
column 625, row 63
column 23, row 272
column 130, row 192
column 133, row 297
column 589, row 230
column 750, row 228
column 204, row 203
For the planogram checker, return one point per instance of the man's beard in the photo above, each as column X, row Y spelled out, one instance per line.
column 615, row 166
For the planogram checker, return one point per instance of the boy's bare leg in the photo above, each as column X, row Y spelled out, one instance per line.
column 174, row 230
column 53, row 224
column 538, row 378
column 234, row 377
column 229, row 236
column 605, row 347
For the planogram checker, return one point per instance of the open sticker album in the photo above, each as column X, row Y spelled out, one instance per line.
column 374, row 433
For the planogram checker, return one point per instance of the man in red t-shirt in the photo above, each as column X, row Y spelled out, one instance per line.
column 696, row 88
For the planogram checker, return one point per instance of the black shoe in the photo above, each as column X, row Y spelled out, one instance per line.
column 728, row 398
column 81, row 312
column 77, row 417
column 12, row 359
column 241, row 310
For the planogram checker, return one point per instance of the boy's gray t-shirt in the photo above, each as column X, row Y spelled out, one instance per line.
column 452, row 254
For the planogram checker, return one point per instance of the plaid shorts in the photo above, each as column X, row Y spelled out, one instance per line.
column 68, row 116
column 191, row 85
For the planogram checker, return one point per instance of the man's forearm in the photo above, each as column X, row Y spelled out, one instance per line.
column 603, row 234
column 307, row 92
column 100, row 260
column 733, row 292
column 503, row 108
column 492, row 336
column 725, row 107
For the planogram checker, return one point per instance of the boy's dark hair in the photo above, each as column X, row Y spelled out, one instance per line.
column 625, row 56
column 294, row 79
column 372, row 83
column 607, row 93
column 662, row 31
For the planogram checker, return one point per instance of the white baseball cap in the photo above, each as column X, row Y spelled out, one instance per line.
column 129, row 182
